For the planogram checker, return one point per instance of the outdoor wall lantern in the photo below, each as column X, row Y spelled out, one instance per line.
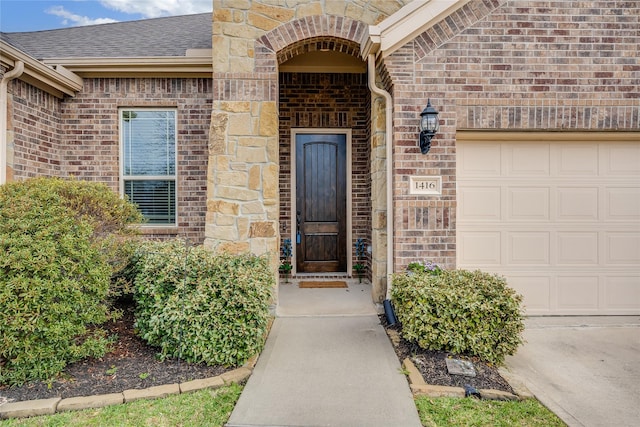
column 429, row 125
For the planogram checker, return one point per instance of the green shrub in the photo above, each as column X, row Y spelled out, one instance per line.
column 110, row 218
column 57, row 254
column 214, row 311
column 459, row 311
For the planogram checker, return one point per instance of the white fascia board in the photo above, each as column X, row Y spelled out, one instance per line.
column 404, row 25
column 58, row 82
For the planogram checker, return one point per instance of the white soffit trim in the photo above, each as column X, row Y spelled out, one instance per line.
column 411, row 20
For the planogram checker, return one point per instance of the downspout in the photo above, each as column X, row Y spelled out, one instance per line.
column 389, row 163
column 17, row 71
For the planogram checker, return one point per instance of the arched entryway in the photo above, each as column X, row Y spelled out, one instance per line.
column 324, row 139
column 307, row 78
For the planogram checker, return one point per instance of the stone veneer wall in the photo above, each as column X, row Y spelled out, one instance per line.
column 511, row 65
column 342, row 103
column 250, row 39
column 33, row 132
column 79, row 137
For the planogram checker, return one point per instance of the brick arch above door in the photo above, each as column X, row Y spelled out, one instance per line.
column 319, row 44
column 337, row 33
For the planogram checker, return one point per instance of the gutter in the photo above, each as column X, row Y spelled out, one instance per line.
column 4, row 84
column 389, row 164
column 193, row 65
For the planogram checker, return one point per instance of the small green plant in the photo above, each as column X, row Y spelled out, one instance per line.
column 201, row 307
column 360, row 267
column 143, row 376
column 459, row 311
column 286, row 252
column 111, row 371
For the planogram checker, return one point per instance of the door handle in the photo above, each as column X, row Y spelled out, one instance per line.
column 298, row 235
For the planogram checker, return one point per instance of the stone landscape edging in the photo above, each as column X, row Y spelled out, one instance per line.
column 31, row 408
column 420, row 388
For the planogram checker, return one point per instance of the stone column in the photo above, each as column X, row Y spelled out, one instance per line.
column 242, row 206
column 378, row 200
column 242, row 189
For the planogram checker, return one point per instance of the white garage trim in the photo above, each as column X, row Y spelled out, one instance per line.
column 556, row 213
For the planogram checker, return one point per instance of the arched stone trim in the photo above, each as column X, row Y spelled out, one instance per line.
column 277, row 45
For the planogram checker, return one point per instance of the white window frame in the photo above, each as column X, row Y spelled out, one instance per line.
column 173, row 177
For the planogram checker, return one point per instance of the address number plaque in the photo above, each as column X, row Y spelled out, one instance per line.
column 428, row 185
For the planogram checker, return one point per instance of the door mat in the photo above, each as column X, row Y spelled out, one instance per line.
column 323, row 284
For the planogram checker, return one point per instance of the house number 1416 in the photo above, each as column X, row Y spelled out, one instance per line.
column 425, row 185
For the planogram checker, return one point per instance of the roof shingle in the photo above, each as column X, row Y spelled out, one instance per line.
column 168, row 36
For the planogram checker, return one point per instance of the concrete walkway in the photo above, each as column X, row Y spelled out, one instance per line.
column 584, row 369
column 326, row 365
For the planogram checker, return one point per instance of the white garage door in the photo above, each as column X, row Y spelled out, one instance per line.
column 557, row 214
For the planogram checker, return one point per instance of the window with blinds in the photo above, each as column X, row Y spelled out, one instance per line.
column 148, row 162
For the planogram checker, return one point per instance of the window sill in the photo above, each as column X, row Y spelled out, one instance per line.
column 166, row 230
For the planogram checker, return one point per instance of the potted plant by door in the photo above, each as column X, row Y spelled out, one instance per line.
column 359, row 267
column 285, row 259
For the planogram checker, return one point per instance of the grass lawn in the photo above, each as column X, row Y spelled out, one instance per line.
column 201, row 408
column 449, row 411
column 213, row 408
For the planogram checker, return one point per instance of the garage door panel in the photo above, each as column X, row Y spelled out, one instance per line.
column 480, row 203
column 621, row 159
column 481, row 159
column 577, row 248
column 577, row 293
column 561, row 221
column 527, row 160
column 577, row 203
column 528, row 203
column 622, row 248
column 535, row 291
column 623, row 203
column 577, row 160
column 480, row 248
column 526, row 248
column 622, row 293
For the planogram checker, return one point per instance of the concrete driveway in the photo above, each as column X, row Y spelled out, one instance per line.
column 585, row 369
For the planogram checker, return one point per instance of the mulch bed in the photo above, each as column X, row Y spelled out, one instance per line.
column 132, row 364
column 433, row 368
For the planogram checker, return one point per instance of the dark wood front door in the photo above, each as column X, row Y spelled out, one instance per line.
column 321, row 207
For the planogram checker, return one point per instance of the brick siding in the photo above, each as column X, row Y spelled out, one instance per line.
column 561, row 65
column 34, row 118
column 79, row 137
